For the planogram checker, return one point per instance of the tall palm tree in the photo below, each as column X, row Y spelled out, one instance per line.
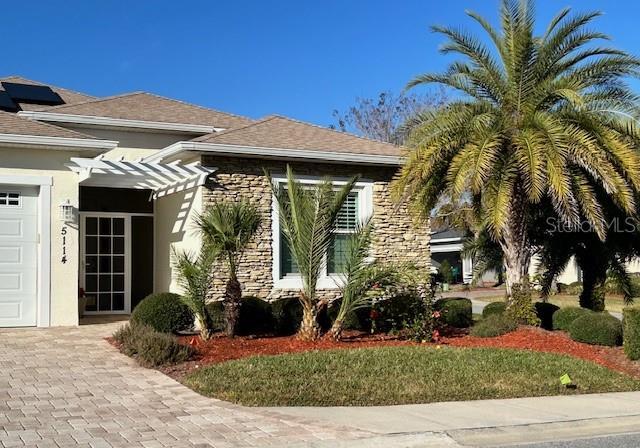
column 539, row 117
column 307, row 219
column 227, row 228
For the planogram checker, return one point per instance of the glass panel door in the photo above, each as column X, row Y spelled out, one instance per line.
column 105, row 262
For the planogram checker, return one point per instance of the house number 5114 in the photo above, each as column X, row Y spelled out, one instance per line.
column 63, row 233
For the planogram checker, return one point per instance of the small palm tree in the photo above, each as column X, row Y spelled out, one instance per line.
column 540, row 118
column 228, row 227
column 307, row 218
column 361, row 279
column 195, row 274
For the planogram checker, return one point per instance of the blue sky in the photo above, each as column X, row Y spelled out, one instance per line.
column 299, row 58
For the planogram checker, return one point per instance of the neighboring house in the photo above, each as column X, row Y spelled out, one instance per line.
column 447, row 245
column 95, row 193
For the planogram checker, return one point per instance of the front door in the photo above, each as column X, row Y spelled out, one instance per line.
column 106, row 267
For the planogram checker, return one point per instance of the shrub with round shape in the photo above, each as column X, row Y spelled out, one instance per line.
column 287, row 315
column 494, row 308
column 545, row 312
column 564, row 317
column 255, row 316
column 494, row 325
column 456, row 311
column 164, row 312
column 597, row 329
column 631, row 332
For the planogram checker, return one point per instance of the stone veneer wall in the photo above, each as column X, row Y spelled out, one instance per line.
column 396, row 238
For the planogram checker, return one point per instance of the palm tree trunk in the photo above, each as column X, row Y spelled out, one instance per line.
column 232, row 303
column 336, row 330
column 515, row 245
column 593, row 284
column 309, row 328
column 204, row 324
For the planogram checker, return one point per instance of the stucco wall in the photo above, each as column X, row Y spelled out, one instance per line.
column 396, row 237
column 64, row 277
column 174, row 229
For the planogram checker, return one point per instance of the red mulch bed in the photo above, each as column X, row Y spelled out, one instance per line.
column 536, row 339
column 220, row 348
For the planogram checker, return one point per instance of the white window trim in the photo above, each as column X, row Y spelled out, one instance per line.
column 43, row 300
column 363, row 187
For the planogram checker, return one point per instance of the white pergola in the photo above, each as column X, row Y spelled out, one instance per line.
column 163, row 179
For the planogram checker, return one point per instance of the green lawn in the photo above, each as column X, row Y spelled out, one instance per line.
column 400, row 375
column 612, row 303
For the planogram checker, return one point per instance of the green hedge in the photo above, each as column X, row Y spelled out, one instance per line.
column 456, row 311
column 164, row 312
column 149, row 347
column 597, row 329
column 255, row 316
column 545, row 312
column 494, row 308
column 631, row 332
column 494, row 325
column 564, row 317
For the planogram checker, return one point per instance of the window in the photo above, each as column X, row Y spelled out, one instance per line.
column 346, row 223
column 357, row 207
column 10, row 198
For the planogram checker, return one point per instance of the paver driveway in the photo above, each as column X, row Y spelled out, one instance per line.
column 68, row 387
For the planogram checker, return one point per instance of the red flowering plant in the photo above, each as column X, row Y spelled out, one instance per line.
column 407, row 307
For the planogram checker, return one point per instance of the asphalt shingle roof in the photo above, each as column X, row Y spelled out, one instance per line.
column 285, row 133
column 14, row 124
column 149, row 107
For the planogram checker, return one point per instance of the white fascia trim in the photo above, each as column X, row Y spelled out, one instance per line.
column 445, row 240
column 39, row 140
column 277, row 153
column 446, row 248
column 119, row 122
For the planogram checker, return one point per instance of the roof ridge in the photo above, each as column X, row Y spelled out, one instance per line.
column 186, row 103
column 39, row 83
column 47, row 125
column 333, row 130
column 95, row 100
column 232, row 130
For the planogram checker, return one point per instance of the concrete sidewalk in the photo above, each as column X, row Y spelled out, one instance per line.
column 492, row 422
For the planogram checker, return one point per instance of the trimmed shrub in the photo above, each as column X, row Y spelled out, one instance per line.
column 631, row 332
column 564, row 317
column 164, row 312
column 456, row 311
column 494, row 308
column 520, row 308
column 151, row 348
column 255, row 316
column 597, row 329
column 286, row 314
column 392, row 314
column 494, row 325
column 216, row 312
column 545, row 312
column 573, row 289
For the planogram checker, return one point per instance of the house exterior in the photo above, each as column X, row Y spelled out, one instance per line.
column 96, row 193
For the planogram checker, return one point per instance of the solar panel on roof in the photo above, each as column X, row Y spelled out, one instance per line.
column 28, row 93
column 7, row 104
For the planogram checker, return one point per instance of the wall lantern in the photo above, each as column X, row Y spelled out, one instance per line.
column 67, row 214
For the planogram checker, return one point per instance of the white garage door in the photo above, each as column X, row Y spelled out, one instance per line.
column 18, row 255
